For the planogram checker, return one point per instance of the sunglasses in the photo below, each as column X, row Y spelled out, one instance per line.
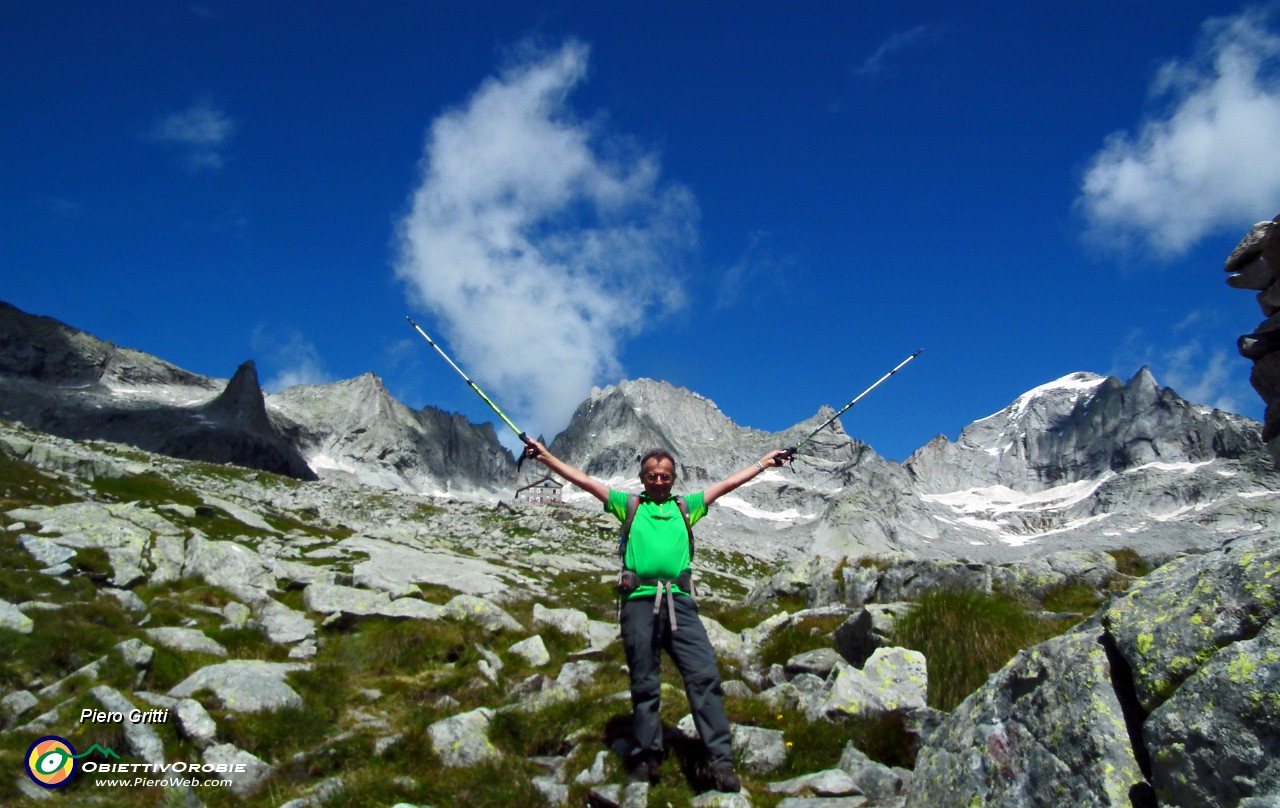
column 657, row 477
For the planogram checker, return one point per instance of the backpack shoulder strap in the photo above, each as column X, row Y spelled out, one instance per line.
column 633, row 504
column 684, row 511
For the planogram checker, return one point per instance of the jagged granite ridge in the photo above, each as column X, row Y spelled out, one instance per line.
column 1085, row 461
column 355, row 429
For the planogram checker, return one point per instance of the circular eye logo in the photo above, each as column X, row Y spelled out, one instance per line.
column 51, row 761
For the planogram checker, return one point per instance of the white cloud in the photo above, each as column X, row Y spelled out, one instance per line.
column 538, row 243
column 893, row 45
column 759, row 268
column 293, row 359
column 1208, row 160
column 199, row 133
column 1215, row 377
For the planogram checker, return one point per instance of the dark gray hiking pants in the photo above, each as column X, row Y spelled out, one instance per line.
column 644, row 636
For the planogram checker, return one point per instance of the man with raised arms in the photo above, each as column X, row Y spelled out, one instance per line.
column 658, row 611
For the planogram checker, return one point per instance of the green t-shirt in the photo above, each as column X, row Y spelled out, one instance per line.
column 658, row 546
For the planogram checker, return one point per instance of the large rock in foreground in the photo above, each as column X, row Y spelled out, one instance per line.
column 1168, row 698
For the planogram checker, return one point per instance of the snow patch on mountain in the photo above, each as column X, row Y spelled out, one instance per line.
column 998, row 499
column 1074, row 385
column 747, row 509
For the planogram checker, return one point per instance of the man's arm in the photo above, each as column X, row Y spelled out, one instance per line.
column 576, row 476
column 714, row 491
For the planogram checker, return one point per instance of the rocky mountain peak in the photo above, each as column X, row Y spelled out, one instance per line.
column 616, row 424
column 1079, row 427
column 356, row 430
column 241, row 402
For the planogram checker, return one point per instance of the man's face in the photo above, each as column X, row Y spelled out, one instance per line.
column 658, row 476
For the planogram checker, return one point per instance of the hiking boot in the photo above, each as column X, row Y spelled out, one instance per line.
column 643, row 770
column 725, row 779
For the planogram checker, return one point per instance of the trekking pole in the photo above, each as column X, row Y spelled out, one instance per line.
column 791, row 453
column 519, row 432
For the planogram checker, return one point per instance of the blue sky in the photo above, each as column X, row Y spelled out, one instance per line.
column 769, row 205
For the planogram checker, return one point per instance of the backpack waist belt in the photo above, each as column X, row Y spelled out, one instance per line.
column 628, row 582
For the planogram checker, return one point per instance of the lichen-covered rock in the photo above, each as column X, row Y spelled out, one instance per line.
column 900, row 677
column 12, row 618
column 1214, row 741
column 1046, row 730
column 463, row 739
column 483, row 612
column 894, row 679
column 1175, row 619
column 533, row 650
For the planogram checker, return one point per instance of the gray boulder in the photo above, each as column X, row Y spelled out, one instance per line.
column 1214, row 740
column 194, row 722
column 243, row 783
column 829, row 783
column 482, row 612
column 46, row 551
column 572, row 622
column 873, row 779
column 893, row 680
column 533, row 650
column 331, row 599
column 759, row 749
column 1175, row 619
column 463, row 739
column 819, row 662
column 227, row 564
column 283, row 625
column 185, row 639
column 244, row 685
column 1048, row 723
column 12, row 618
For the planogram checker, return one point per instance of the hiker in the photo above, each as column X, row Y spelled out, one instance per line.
column 658, row 611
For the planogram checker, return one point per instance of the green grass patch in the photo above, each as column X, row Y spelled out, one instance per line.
column 735, row 617
column 965, row 636
column 62, row 641
column 1075, row 598
column 147, row 487
column 438, row 594
column 94, row 563
column 23, row 484
column 247, row 642
column 591, row 592
column 807, row 634
column 385, row 647
column 819, row 745
column 1128, row 562
column 170, row 667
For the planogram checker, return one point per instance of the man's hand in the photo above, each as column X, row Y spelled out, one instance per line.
column 533, row 449
column 776, row 458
